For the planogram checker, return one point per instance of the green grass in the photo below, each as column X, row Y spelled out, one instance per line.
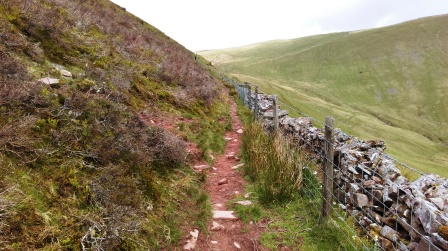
column 297, row 223
column 273, row 163
column 388, row 83
column 287, row 198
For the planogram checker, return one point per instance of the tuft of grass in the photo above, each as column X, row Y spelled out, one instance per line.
column 273, row 163
column 287, row 197
column 243, row 112
column 297, row 225
column 207, row 129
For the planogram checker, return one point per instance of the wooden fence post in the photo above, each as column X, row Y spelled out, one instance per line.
column 245, row 94
column 327, row 187
column 256, row 104
column 240, row 92
column 275, row 113
column 249, row 98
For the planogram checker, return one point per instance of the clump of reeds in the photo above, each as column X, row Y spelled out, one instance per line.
column 273, row 163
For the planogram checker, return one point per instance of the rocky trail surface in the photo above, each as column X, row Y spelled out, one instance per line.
column 224, row 183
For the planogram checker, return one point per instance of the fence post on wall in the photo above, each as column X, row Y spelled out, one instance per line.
column 241, row 91
column 256, row 104
column 275, row 113
column 245, row 94
column 249, row 98
column 327, row 188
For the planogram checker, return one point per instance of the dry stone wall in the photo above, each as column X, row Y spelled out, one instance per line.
column 398, row 213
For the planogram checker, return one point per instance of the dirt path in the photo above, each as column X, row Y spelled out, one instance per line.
column 231, row 234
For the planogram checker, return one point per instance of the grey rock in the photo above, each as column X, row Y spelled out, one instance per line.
column 352, row 170
column 223, row 181
column 385, row 244
column 390, row 233
column 400, row 180
column 244, row 202
column 404, row 223
column 378, row 208
column 219, row 214
column 377, row 179
column 417, row 230
column 439, row 202
column 439, row 241
column 363, row 169
column 387, row 170
column 426, row 244
column 354, row 188
column 392, row 192
column 377, row 198
column 412, row 246
column 422, row 184
column 375, row 216
column 66, row 73
column 342, row 206
column 48, row 81
column 427, row 213
column 361, row 200
column 368, row 183
column 217, row 226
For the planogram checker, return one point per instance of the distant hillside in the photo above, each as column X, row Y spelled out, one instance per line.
column 389, row 83
column 95, row 108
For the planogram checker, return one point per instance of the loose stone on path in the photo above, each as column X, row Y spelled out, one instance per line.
column 223, row 181
column 225, row 215
column 191, row 243
column 217, row 226
column 237, row 166
column 244, row 202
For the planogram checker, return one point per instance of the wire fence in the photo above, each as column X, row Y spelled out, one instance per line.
column 389, row 210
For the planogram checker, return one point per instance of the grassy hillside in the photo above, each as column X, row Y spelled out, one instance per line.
column 83, row 164
column 389, row 83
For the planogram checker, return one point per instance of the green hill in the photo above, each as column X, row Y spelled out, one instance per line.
column 97, row 160
column 388, row 83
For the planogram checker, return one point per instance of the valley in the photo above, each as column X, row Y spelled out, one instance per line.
column 388, row 83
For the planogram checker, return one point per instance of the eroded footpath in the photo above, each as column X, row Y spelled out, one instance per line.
column 224, row 183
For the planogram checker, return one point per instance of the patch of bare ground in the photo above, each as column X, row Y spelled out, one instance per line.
column 223, row 184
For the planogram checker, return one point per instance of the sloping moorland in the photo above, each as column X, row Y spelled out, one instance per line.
column 98, row 160
column 388, row 83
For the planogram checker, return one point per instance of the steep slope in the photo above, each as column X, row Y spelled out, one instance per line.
column 95, row 108
column 389, row 83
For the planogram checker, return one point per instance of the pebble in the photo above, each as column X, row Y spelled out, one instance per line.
column 237, row 166
column 237, row 245
column 223, row 181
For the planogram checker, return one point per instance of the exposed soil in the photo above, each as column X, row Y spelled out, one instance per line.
column 235, row 232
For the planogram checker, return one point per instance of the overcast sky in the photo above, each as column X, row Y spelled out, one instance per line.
column 217, row 24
